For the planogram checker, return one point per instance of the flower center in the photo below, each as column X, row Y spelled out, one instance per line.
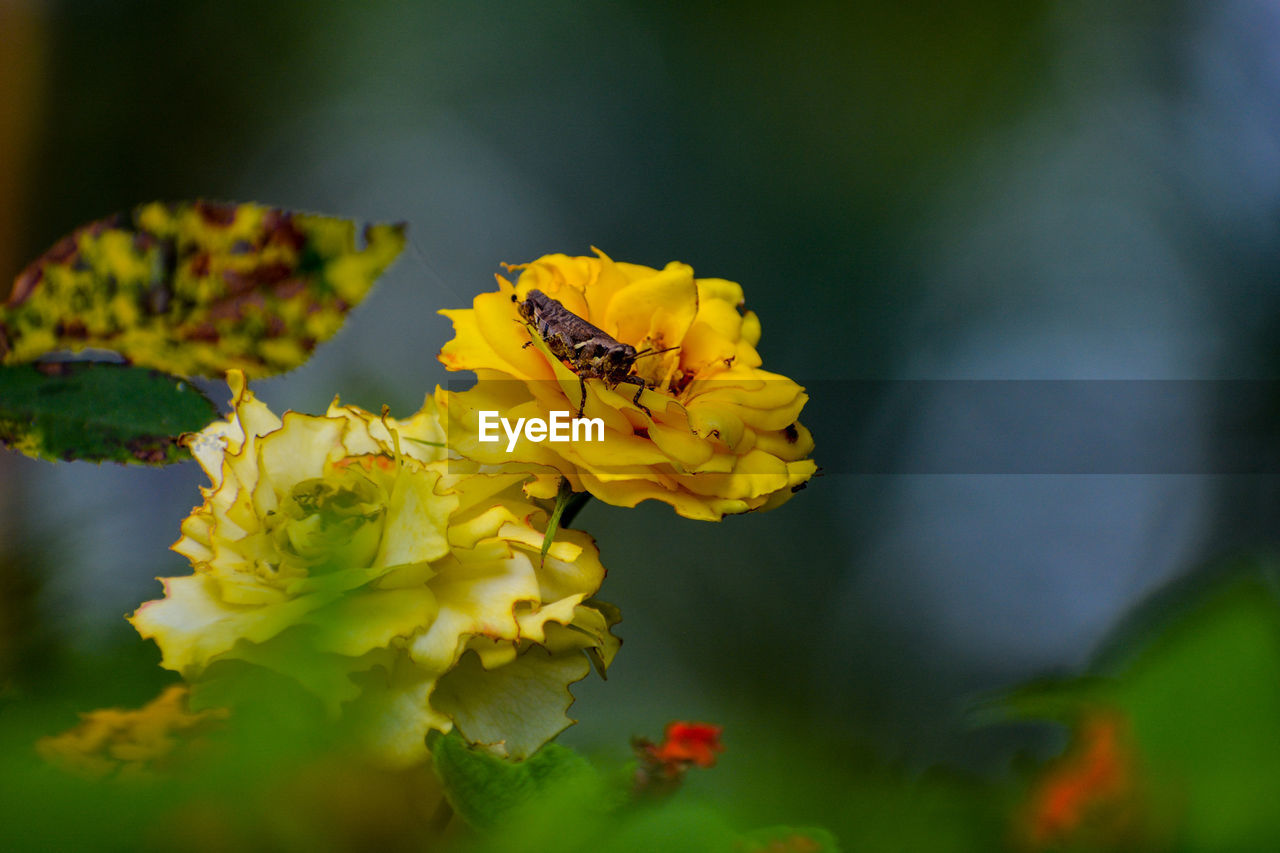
column 329, row 523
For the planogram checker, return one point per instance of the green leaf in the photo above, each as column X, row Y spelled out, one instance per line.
column 520, row 705
column 1202, row 698
column 555, row 800
column 196, row 288
column 486, row 790
column 99, row 412
column 1205, row 704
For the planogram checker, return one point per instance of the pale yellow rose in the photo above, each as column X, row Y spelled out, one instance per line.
column 348, row 553
column 721, row 435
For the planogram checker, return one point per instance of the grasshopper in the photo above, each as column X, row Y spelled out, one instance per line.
column 592, row 352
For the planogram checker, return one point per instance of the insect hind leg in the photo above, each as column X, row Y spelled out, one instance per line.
column 636, row 400
column 641, row 388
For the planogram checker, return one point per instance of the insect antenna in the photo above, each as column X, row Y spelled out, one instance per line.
column 647, row 352
column 433, row 273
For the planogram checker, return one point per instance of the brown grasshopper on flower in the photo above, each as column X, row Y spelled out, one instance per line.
column 592, row 352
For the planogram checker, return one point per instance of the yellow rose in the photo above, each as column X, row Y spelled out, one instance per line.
column 712, row 433
column 403, row 589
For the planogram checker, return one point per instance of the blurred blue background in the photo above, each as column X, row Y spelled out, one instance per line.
column 980, row 190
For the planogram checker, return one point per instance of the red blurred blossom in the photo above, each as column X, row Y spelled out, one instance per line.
column 1092, row 795
column 662, row 765
column 689, row 743
column 797, row 842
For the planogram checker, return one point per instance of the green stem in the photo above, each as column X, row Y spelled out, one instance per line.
column 574, row 506
column 568, row 504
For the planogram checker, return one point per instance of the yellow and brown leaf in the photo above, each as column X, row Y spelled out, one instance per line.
column 196, row 288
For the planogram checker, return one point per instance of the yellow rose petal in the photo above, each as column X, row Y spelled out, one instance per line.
column 349, row 554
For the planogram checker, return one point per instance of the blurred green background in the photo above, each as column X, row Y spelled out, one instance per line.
column 917, row 191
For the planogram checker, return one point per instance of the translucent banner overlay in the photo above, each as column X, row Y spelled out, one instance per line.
column 974, row 427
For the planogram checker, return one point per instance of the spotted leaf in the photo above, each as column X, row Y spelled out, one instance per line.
column 196, row 288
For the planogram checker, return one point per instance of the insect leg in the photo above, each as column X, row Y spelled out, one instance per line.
column 529, row 342
column 636, row 380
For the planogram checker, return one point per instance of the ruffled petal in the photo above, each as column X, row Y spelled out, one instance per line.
column 351, row 555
